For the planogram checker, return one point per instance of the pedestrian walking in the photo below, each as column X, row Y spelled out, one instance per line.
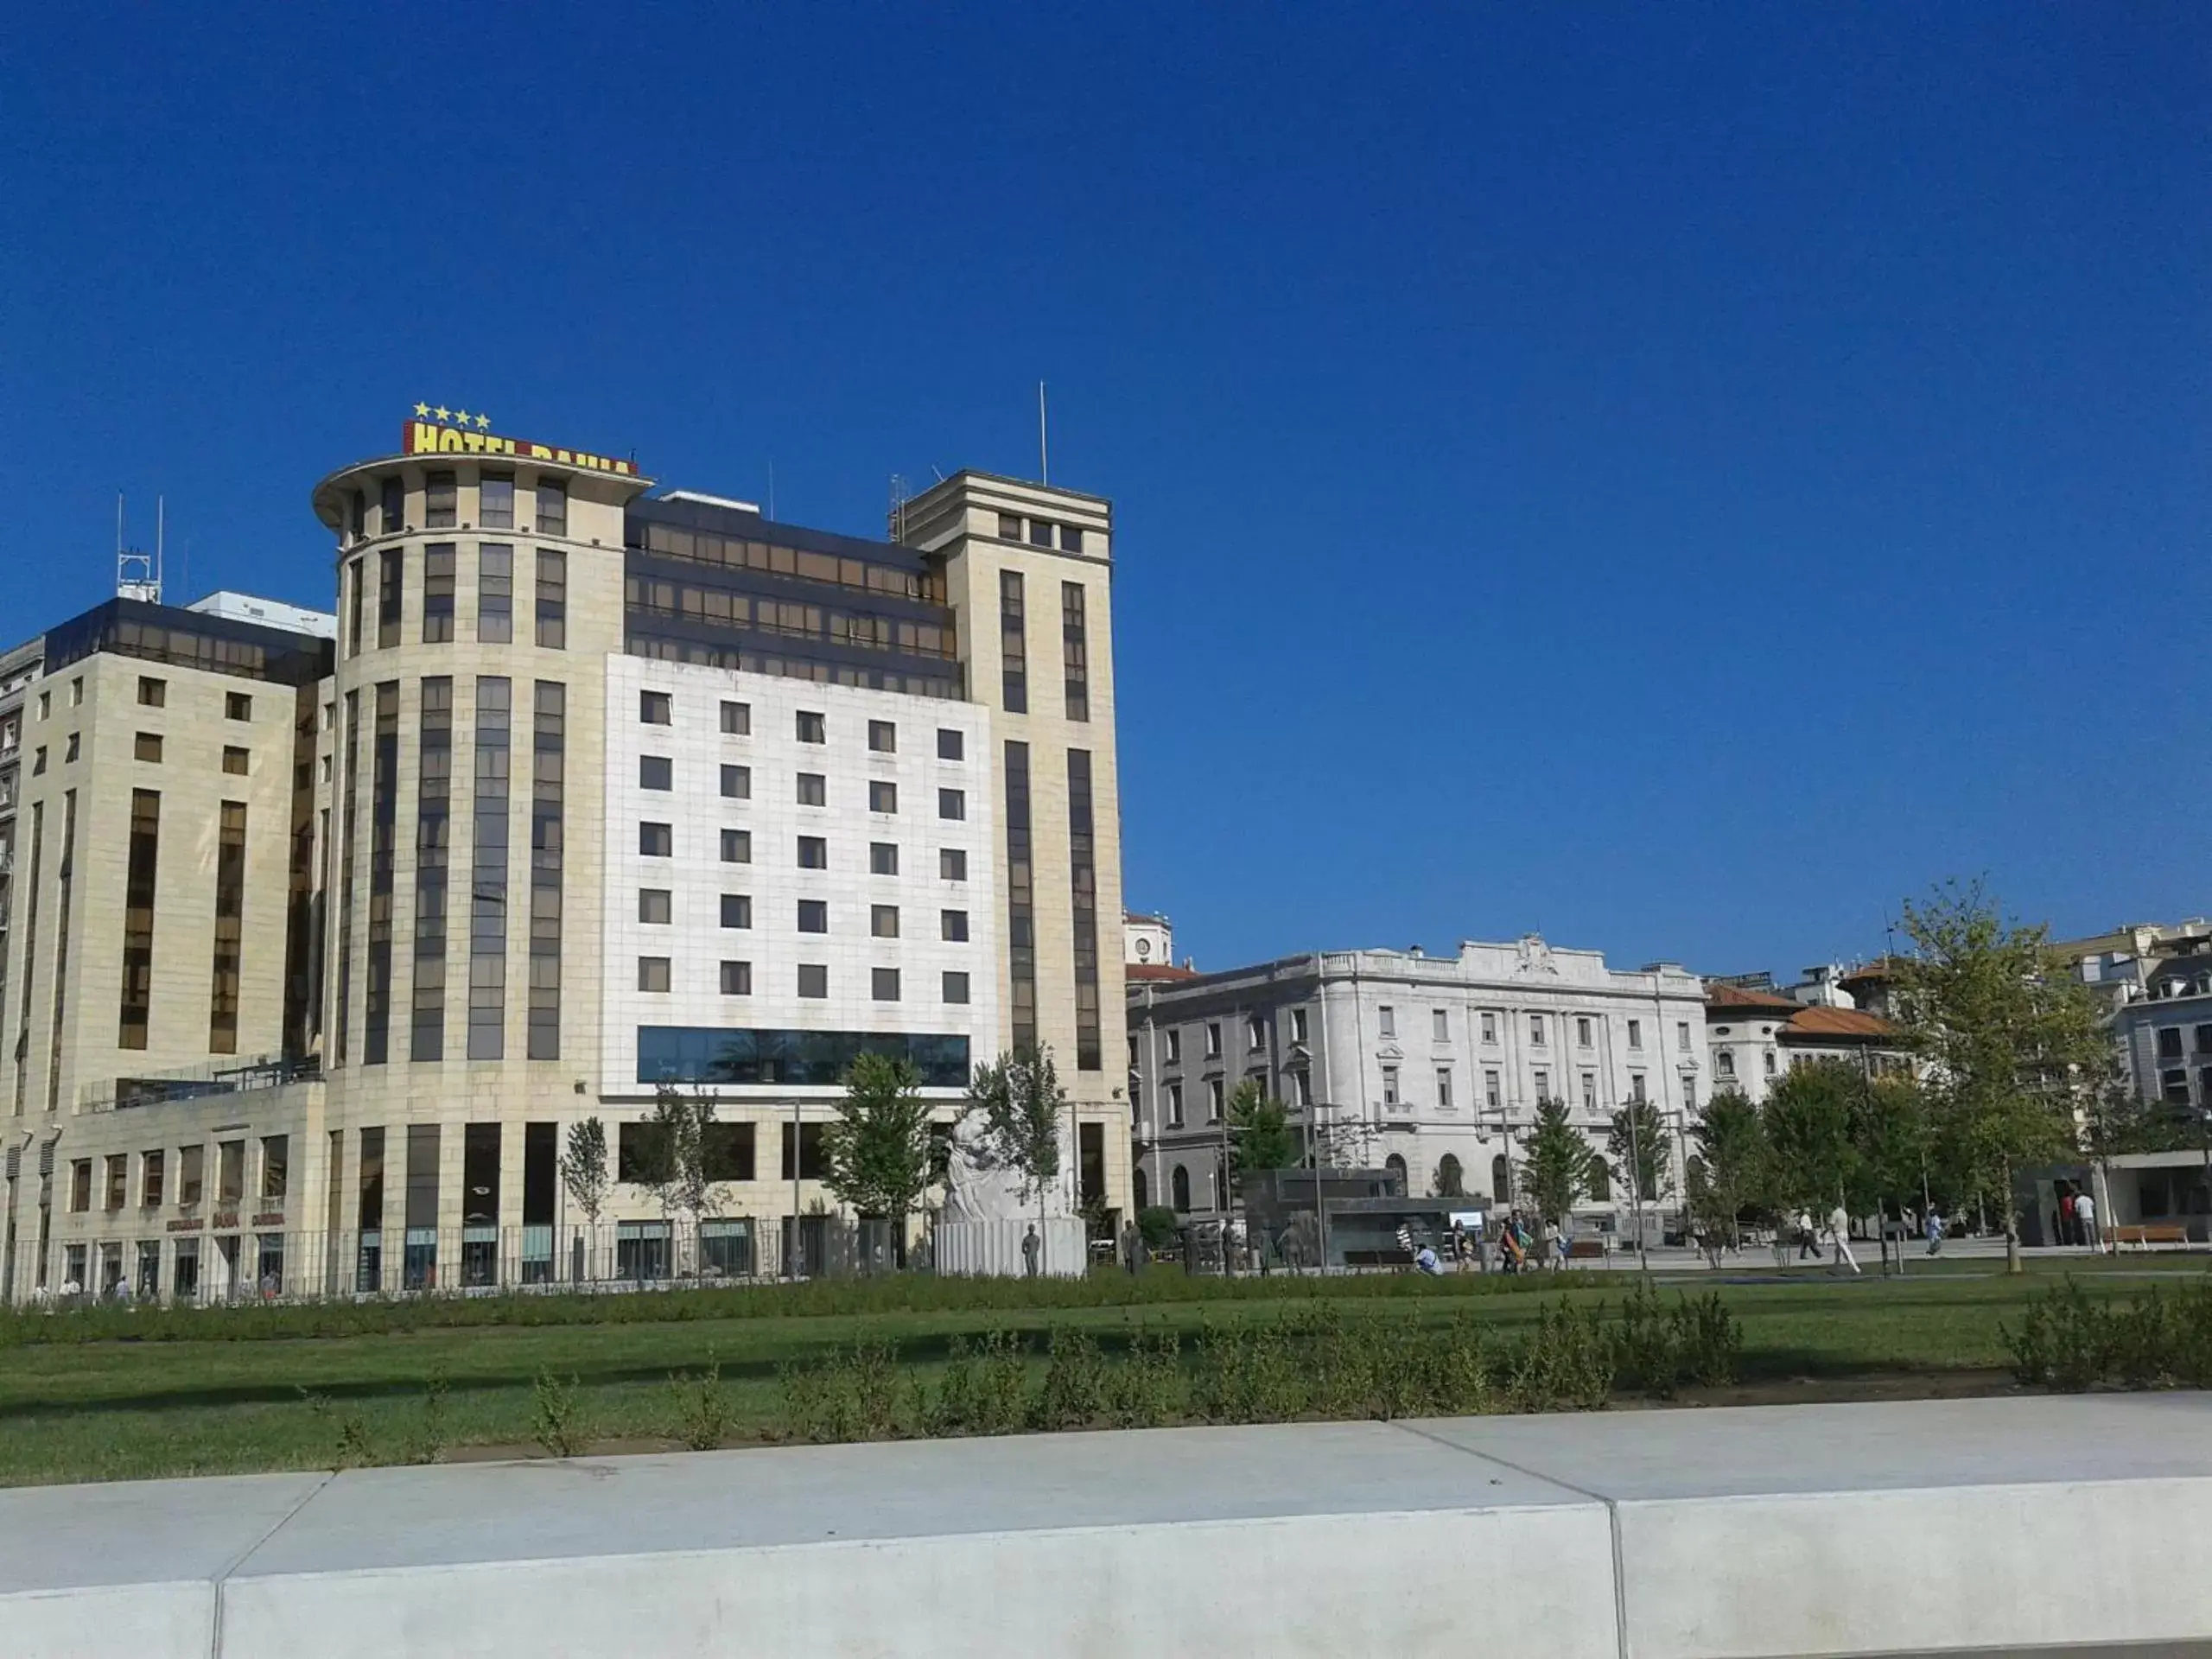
column 1840, row 1231
column 1132, row 1246
column 2085, row 1218
column 1807, row 1241
column 1932, row 1224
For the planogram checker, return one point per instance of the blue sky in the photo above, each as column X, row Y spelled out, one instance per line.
column 1678, row 478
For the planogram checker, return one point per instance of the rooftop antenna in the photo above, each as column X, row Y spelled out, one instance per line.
column 138, row 573
column 1044, row 462
column 898, row 498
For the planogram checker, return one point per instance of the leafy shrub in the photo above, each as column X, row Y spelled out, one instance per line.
column 432, row 1431
column 556, row 1416
column 703, row 1414
column 1656, row 1350
column 1074, row 1392
column 1144, row 1387
column 351, row 1447
column 2071, row 1342
column 1566, row 1364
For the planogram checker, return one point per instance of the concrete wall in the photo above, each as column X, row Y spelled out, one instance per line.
column 1997, row 1526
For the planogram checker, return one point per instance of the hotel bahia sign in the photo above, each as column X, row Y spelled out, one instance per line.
column 428, row 434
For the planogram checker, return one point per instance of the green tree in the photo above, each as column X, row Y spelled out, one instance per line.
column 1810, row 1115
column 1019, row 1105
column 877, row 1152
column 1259, row 1135
column 2014, row 1043
column 1890, row 1133
column 583, row 1167
column 675, row 1162
column 1637, row 1147
column 1556, row 1162
column 1733, row 1172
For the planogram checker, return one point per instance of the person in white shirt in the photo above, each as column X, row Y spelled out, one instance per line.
column 2085, row 1212
column 1840, row 1231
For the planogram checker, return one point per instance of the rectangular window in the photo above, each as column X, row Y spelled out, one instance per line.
column 813, row 853
column 1683, row 1036
column 951, row 864
column 882, row 796
column 390, row 584
column 548, row 817
column 656, row 709
column 1070, row 539
column 883, row 984
column 1075, row 651
column 392, row 505
column 1439, row 1026
column 149, row 1180
column 441, row 501
column 419, row 1213
column 952, row 925
column 1489, row 1027
column 1013, row 665
column 813, row 916
column 1174, row 1046
column 737, row 783
column 882, row 737
column 813, row 789
column 1386, row 1019
column 552, row 596
column 1636, row 1033
column 552, row 507
column 275, row 1167
column 655, row 906
column 1297, row 1025
column 235, row 760
column 948, row 744
column 882, row 858
column 1581, row 1031
column 1021, row 902
column 1543, row 1080
column 229, row 928
column 656, row 772
column 153, row 694
column 1040, row 532
column 229, row 1171
column 1589, row 1091
column 139, row 894
column 883, row 921
column 1213, row 1039
column 495, row 501
column 737, row 846
column 1256, row 1032
column 737, row 910
column 191, row 1164
column 237, row 705
column 1174, row 1105
column 1636, row 1090
column 1536, row 1030
column 1213, row 1100
column 1389, row 1085
column 653, row 973
column 737, row 719
column 737, row 979
column 439, row 559
column 147, row 747
column 657, row 840
column 956, row 987
column 487, row 917
column 812, row 728
column 70, row 752
column 1082, row 876
column 951, row 803
column 426, row 1037
column 1009, row 527
column 2170, row 1043
column 116, row 1184
column 495, row 593
column 813, row 980
column 80, row 1186
column 346, row 863
column 1491, row 1097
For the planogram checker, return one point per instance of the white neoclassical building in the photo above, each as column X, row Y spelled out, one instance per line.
column 1432, row 1065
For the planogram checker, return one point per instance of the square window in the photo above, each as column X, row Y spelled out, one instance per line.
column 1009, row 527
column 813, row 853
column 812, row 727
column 883, row 921
column 813, row 789
column 1040, row 532
column 737, row 783
column 952, row 924
column 883, row 858
column 737, row 719
column 737, row 910
column 655, row 906
column 656, row 709
column 737, row 979
column 737, row 846
column 883, row 984
column 653, row 973
column 1070, row 539
column 814, row 916
column 237, row 705
column 883, row 737
column 951, row 803
column 949, row 744
column 153, row 694
column 656, row 841
column 147, row 746
column 956, row 987
column 813, row 979
column 951, row 864
column 882, row 796
column 234, row 760
column 656, row 772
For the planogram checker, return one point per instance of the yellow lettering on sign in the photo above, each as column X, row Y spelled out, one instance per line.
column 422, row 437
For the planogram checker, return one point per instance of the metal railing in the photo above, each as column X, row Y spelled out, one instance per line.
column 199, row 1082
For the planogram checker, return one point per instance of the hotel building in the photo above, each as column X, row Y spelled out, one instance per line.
column 321, row 933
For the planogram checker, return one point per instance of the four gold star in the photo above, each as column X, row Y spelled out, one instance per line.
column 457, row 416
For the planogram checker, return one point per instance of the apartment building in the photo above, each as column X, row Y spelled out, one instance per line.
column 331, row 929
column 1431, row 1066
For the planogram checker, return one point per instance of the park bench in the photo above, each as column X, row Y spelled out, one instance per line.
column 2145, row 1234
column 1583, row 1250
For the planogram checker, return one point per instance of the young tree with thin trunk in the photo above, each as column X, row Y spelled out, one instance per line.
column 1019, row 1106
column 1556, row 1164
column 1733, row 1170
column 877, row 1154
column 2014, row 1043
column 1259, row 1135
column 677, row 1161
column 1810, row 1115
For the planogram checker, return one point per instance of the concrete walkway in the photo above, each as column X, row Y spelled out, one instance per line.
column 2013, row 1525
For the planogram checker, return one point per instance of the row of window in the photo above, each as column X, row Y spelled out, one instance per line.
column 657, row 975
column 1255, row 1031
column 723, row 607
column 1042, row 532
column 809, row 725
column 2169, row 1041
column 495, row 596
column 2173, row 1085
column 657, row 772
column 152, row 693
column 735, row 553
column 658, row 839
column 660, row 648
column 191, row 1168
column 1493, row 1091
column 495, row 504
column 657, row 908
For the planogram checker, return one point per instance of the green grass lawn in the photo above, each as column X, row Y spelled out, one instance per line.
column 225, row 1395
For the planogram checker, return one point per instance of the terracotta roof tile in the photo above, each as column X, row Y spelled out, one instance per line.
column 1839, row 1022
column 1735, row 996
